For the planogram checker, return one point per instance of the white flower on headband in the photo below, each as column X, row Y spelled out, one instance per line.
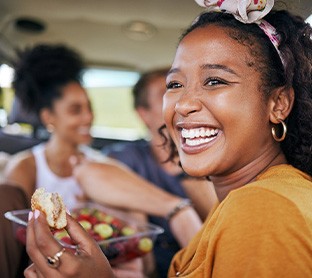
column 246, row 11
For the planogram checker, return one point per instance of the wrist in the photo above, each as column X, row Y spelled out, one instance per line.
column 180, row 206
column 184, row 225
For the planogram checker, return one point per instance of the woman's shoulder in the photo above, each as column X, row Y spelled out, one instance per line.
column 281, row 194
column 21, row 171
column 24, row 159
column 284, row 172
column 284, row 184
column 256, row 223
column 258, row 205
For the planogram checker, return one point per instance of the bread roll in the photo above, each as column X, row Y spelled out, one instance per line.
column 52, row 205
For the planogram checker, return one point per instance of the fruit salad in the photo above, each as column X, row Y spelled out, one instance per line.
column 119, row 240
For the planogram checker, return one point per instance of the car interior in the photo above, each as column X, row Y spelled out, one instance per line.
column 118, row 40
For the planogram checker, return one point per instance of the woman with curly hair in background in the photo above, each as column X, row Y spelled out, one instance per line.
column 47, row 82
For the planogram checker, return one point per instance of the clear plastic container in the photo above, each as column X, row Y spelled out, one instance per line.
column 129, row 239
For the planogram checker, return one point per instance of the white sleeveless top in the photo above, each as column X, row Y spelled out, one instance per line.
column 67, row 187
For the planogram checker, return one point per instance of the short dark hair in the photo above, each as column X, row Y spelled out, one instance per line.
column 139, row 90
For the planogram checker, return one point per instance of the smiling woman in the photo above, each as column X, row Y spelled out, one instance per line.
column 231, row 86
column 210, row 98
column 47, row 82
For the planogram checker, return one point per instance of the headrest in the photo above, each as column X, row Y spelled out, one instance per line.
column 19, row 115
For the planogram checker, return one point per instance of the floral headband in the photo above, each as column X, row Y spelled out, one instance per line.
column 248, row 11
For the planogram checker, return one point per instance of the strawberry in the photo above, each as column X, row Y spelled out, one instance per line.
column 92, row 219
column 132, row 243
column 116, row 223
column 21, row 234
column 67, row 240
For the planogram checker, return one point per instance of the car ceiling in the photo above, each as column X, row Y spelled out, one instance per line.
column 96, row 28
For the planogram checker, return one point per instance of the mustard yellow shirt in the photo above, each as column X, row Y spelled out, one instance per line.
column 263, row 229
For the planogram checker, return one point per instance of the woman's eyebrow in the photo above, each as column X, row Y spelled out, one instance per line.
column 173, row 70
column 208, row 66
column 218, row 66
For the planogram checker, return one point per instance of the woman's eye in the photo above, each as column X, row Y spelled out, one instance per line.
column 173, row 85
column 75, row 110
column 214, row 82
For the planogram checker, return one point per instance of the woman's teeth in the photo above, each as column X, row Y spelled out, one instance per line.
column 198, row 136
column 84, row 130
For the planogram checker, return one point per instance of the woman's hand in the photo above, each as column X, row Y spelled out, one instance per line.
column 41, row 244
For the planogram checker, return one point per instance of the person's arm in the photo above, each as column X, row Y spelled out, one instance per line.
column 21, row 171
column 117, row 186
column 202, row 193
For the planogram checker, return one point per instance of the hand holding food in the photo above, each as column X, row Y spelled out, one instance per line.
column 120, row 239
column 81, row 240
column 52, row 205
column 49, row 257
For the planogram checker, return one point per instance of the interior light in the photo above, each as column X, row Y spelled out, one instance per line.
column 139, row 30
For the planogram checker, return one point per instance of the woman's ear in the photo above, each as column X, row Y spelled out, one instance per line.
column 281, row 103
column 46, row 116
column 143, row 114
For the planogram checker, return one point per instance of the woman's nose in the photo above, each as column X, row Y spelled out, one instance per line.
column 88, row 116
column 187, row 104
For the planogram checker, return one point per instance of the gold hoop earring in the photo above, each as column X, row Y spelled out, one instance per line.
column 280, row 139
column 50, row 128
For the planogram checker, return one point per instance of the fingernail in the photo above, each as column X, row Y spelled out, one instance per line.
column 30, row 215
column 68, row 212
column 73, row 160
column 36, row 213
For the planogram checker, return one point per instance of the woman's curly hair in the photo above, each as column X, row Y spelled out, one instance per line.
column 42, row 71
column 296, row 51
